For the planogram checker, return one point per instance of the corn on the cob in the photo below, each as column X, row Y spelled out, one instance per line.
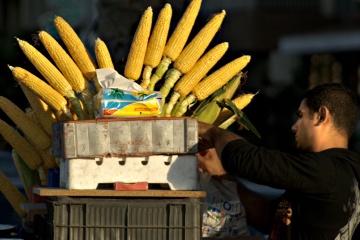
column 213, row 82
column 187, row 82
column 135, row 59
column 42, row 111
column 27, row 152
column 211, row 111
column 240, row 102
column 76, row 48
column 69, row 69
column 156, row 43
column 53, row 76
column 44, row 91
column 102, row 54
column 12, row 194
column 176, row 41
column 32, row 130
column 192, row 52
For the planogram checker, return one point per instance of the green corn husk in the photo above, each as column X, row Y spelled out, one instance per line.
column 27, row 176
column 210, row 109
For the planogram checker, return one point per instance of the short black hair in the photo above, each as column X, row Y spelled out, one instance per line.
column 341, row 101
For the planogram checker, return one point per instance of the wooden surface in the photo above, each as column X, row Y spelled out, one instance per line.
column 42, row 191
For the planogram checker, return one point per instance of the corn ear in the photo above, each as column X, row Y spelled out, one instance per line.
column 193, row 51
column 44, row 91
column 28, row 153
column 135, row 59
column 156, row 45
column 181, row 33
column 220, row 77
column 42, row 111
column 188, row 81
column 213, row 82
column 102, row 54
column 12, row 194
column 211, row 110
column 64, row 62
column 76, row 48
column 176, row 41
column 32, row 130
column 52, row 75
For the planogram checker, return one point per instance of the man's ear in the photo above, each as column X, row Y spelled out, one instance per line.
column 322, row 113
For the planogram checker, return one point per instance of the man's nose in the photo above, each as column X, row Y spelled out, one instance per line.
column 294, row 128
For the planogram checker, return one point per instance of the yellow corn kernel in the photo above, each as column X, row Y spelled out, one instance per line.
column 25, row 150
column 177, row 41
column 64, row 62
column 156, row 45
column 213, row 82
column 53, row 76
column 76, row 48
column 220, row 77
column 187, row 82
column 33, row 131
column 179, row 37
column 44, row 91
column 12, row 194
column 102, row 54
column 193, row 51
column 135, row 59
column 42, row 111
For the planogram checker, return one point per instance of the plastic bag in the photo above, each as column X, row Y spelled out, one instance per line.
column 120, row 97
column 223, row 213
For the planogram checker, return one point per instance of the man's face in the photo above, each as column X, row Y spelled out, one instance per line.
column 304, row 128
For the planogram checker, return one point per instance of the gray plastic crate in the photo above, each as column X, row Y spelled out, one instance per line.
column 125, row 137
column 104, row 218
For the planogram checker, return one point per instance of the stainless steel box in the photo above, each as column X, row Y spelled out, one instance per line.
column 125, row 137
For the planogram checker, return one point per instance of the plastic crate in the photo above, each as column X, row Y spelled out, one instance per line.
column 125, row 137
column 104, row 218
column 178, row 172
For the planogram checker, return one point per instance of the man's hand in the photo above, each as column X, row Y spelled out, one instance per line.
column 209, row 161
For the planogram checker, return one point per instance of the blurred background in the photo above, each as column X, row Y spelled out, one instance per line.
column 294, row 45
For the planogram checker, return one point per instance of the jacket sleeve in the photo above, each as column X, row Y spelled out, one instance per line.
column 274, row 168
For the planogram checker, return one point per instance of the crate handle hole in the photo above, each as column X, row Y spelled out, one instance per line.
column 122, row 161
column 98, row 161
column 145, row 161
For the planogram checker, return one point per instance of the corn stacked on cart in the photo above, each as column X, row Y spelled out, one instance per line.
column 61, row 95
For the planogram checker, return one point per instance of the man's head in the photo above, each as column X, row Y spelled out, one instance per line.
column 329, row 106
column 341, row 102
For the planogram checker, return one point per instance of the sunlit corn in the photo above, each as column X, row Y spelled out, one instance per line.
column 220, row 77
column 52, row 75
column 176, row 41
column 44, row 91
column 187, row 82
column 210, row 112
column 42, row 111
column 180, row 35
column 76, row 48
column 192, row 52
column 213, row 82
column 102, row 54
column 135, row 58
column 156, row 45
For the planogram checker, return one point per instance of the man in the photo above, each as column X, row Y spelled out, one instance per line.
column 321, row 198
